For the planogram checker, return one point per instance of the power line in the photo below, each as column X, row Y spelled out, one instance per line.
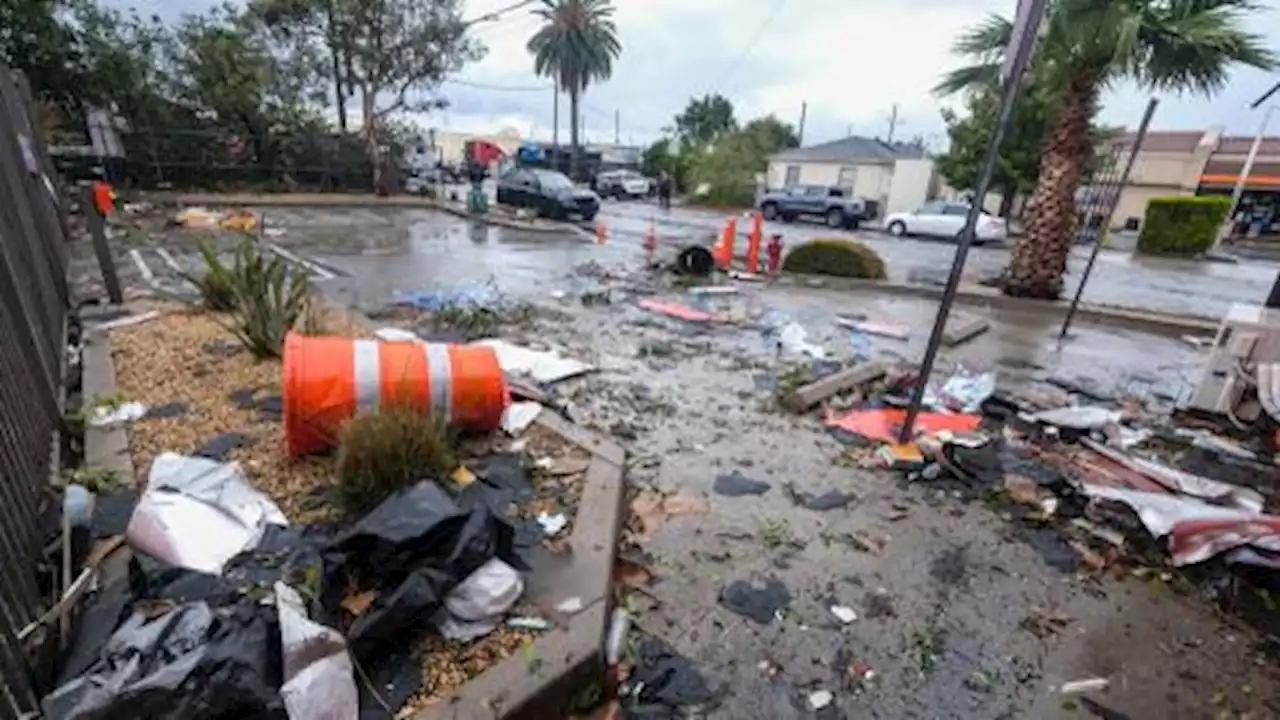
column 751, row 43
column 496, row 14
column 500, row 88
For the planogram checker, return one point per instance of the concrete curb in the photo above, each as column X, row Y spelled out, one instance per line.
column 104, row 448
column 1144, row 320
column 515, row 687
column 344, row 200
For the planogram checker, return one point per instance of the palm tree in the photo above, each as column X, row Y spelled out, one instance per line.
column 575, row 46
column 1087, row 46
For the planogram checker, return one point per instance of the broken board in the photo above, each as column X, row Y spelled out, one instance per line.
column 815, row 392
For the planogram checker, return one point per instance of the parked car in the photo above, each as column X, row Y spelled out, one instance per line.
column 832, row 204
column 945, row 219
column 622, row 184
column 548, row 192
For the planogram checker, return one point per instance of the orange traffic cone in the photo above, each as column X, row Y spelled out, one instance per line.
column 724, row 255
column 651, row 241
column 602, row 233
column 753, row 247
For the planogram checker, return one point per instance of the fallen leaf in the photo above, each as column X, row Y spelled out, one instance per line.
column 463, row 476
column 649, row 509
column 359, row 603
column 568, row 465
column 631, row 573
column 1090, row 559
column 1022, row 490
column 865, row 542
column 1045, row 621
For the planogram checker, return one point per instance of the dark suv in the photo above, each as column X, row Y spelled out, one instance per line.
column 832, row 204
column 548, row 192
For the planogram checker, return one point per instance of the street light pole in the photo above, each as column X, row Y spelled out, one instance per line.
column 1017, row 57
column 1106, row 224
column 1242, row 178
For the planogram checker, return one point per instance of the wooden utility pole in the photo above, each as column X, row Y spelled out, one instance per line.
column 804, row 108
column 555, row 114
column 893, row 123
column 617, row 127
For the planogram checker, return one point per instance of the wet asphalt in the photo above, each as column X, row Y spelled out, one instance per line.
column 944, row 588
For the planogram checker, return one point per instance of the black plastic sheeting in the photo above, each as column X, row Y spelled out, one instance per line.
column 669, row 684
column 187, row 644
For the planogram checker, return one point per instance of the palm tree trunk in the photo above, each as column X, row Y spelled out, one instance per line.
column 1039, row 258
column 573, row 132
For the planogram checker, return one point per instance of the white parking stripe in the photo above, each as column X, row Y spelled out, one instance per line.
column 169, row 260
column 147, row 275
column 315, row 269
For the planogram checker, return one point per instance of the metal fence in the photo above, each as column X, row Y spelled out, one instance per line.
column 33, row 332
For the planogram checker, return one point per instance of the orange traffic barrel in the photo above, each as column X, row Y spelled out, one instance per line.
column 328, row 380
column 104, row 198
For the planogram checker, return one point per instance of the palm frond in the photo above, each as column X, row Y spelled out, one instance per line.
column 971, row 77
column 986, row 40
column 1191, row 45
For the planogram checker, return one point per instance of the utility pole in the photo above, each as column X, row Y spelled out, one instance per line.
column 1225, row 231
column 804, row 108
column 893, row 123
column 617, row 127
column 848, row 131
column 1017, row 57
column 555, row 114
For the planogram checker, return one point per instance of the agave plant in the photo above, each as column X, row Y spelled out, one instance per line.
column 216, row 285
column 270, row 297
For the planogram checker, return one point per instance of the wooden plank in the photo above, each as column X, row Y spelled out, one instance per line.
column 962, row 329
column 815, row 392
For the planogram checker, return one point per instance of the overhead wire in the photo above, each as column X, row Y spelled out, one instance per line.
column 750, row 44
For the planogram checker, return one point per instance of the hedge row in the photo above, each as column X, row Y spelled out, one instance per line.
column 1182, row 226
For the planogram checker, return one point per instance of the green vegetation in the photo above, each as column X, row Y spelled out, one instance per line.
column 1182, row 226
column 269, row 299
column 387, row 451
column 216, row 285
column 836, row 257
column 709, row 148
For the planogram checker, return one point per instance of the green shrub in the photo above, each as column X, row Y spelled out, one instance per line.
column 269, row 300
column 384, row 452
column 216, row 288
column 1182, row 226
column 728, row 196
column 835, row 256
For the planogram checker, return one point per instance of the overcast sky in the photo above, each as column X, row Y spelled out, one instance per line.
column 850, row 60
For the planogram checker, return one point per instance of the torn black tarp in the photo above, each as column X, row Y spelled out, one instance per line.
column 413, row 549
column 189, row 661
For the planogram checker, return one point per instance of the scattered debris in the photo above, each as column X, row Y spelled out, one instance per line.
column 1044, row 622
column 675, row 310
column 897, row 332
column 1079, row 417
column 856, row 377
column 1076, row 687
column 736, row 484
column 106, row 415
column 884, row 424
column 650, row 509
column 760, row 602
column 519, row 416
column 793, row 340
column 820, row 699
column 552, row 524
column 541, row 366
column 960, row 329
column 844, row 613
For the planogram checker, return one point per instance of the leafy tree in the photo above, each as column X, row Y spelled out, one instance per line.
column 658, row 158
column 704, row 121
column 730, row 166
column 1019, row 153
column 1087, row 45
column 306, row 24
column 575, row 46
column 36, row 37
column 399, row 47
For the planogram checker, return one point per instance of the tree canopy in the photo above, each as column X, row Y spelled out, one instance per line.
column 705, row 120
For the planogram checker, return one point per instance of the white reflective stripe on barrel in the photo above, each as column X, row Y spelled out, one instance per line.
column 440, row 379
column 368, row 375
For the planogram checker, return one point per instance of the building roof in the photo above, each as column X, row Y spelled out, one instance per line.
column 853, row 148
column 1241, row 145
column 1176, row 141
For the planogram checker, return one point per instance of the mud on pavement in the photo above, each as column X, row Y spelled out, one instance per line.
column 887, row 598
